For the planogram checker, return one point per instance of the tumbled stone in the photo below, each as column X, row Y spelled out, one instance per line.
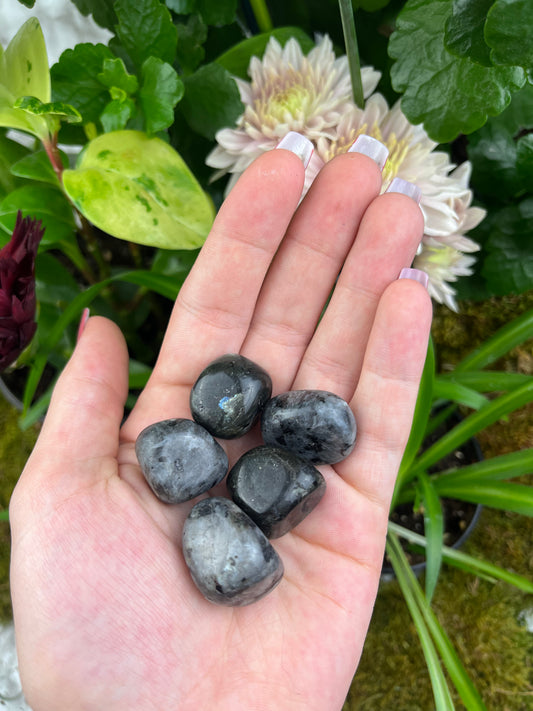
column 275, row 488
column 229, row 395
column 180, row 459
column 314, row 424
column 230, row 559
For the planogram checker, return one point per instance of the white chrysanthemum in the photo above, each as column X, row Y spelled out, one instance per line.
column 312, row 95
column 288, row 91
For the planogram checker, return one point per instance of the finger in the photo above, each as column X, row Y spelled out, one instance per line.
column 308, row 263
column 387, row 390
column 215, row 305
column 388, row 237
column 78, row 442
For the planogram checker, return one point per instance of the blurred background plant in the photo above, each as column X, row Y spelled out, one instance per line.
column 124, row 149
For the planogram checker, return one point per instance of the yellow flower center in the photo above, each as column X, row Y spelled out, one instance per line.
column 398, row 149
column 284, row 98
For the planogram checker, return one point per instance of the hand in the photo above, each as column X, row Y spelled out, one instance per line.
column 106, row 614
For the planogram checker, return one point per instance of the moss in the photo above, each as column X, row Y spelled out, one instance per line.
column 15, row 448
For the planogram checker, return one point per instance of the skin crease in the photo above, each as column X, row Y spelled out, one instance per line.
column 106, row 614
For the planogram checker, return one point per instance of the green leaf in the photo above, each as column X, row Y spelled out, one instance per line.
column 139, row 189
column 508, row 265
column 517, row 498
column 37, row 166
column 116, row 114
column 24, row 65
column 370, row 5
column 47, row 204
column 471, row 425
column 211, row 100
column 191, row 37
column 237, row 59
column 502, row 467
column 115, row 75
column 217, row 12
column 508, row 32
column 74, row 80
column 138, row 374
column 101, row 10
column 462, row 560
column 51, row 109
column 487, row 381
column 449, row 94
column 145, row 29
column 11, row 152
column 464, row 34
column 160, row 92
column 509, row 336
column 54, row 284
column 434, row 531
column 447, row 389
column 182, row 7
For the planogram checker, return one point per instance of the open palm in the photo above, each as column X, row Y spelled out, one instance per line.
column 106, row 614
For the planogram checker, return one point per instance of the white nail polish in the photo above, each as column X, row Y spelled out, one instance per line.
column 415, row 275
column 404, row 187
column 372, row 148
column 299, row 145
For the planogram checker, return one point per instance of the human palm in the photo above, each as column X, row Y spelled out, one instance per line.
column 106, row 614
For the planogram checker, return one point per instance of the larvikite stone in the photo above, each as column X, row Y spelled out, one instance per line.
column 229, row 395
column 230, row 559
column 276, row 488
column 314, row 424
column 180, row 459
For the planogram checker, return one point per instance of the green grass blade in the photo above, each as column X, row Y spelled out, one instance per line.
column 517, row 498
column 470, row 426
column 453, row 665
column 434, row 531
column 490, row 381
column 459, row 393
column 462, row 560
column 511, row 335
column 441, row 692
column 500, row 468
column 4, row 515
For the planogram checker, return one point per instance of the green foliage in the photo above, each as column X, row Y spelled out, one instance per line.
column 156, row 199
column 448, row 93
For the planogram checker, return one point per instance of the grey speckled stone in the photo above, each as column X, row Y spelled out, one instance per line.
column 314, row 424
column 180, row 459
column 229, row 395
column 275, row 488
column 230, row 559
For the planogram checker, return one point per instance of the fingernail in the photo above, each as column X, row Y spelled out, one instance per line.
column 299, row 145
column 404, row 187
column 415, row 275
column 83, row 322
column 372, row 148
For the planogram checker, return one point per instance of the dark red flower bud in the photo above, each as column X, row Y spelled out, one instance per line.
column 17, row 289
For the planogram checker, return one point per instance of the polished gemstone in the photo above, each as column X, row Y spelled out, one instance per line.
column 275, row 488
column 229, row 395
column 180, row 459
column 230, row 559
column 314, row 424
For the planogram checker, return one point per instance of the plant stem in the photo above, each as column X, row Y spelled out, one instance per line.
column 352, row 51
column 262, row 15
column 52, row 152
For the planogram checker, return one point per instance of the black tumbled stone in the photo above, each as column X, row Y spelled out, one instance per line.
column 275, row 488
column 229, row 395
column 314, row 424
column 180, row 459
column 230, row 559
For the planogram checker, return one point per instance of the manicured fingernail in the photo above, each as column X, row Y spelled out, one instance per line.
column 83, row 322
column 370, row 147
column 416, row 275
column 298, row 144
column 404, row 187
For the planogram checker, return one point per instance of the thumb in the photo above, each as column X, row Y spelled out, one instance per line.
column 79, row 438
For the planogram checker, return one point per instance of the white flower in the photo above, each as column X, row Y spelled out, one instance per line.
column 312, row 95
column 288, row 91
